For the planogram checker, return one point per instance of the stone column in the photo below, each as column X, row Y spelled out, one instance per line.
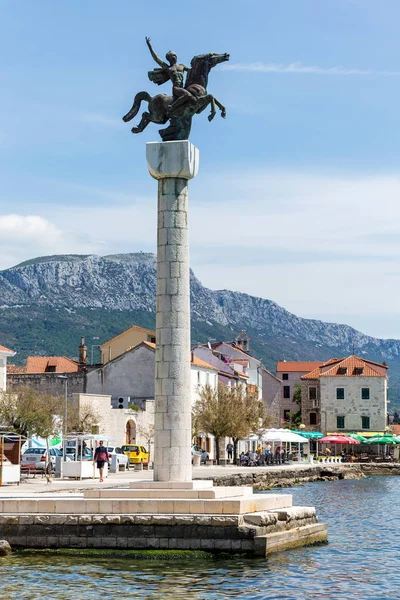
column 172, row 164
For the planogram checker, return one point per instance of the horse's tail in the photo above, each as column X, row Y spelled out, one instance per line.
column 136, row 105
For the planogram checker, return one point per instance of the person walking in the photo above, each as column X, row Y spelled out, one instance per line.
column 100, row 457
column 229, row 450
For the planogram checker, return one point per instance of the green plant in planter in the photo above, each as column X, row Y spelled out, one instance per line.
column 134, row 406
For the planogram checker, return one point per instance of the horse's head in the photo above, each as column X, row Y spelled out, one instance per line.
column 201, row 65
column 209, row 60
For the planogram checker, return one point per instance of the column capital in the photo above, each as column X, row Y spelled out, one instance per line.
column 172, row 159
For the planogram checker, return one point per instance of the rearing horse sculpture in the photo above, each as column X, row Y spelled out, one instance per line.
column 180, row 112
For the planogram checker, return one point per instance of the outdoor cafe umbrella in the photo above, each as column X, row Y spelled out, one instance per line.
column 338, row 439
column 383, row 440
column 311, row 435
column 357, row 436
column 284, row 435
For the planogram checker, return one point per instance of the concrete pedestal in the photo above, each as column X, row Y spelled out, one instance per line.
column 172, row 164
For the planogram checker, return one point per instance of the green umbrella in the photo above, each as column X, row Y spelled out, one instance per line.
column 383, row 440
column 311, row 435
column 358, row 437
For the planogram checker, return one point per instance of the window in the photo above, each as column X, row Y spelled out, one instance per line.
column 207, row 378
column 313, row 418
column 286, row 391
column 50, row 369
column 285, row 376
column 342, row 371
column 339, row 393
column 286, row 415
column 153, row 340
column 365, row 422
column 340, row 422
column 312, row 393
column 198, row 377
column 365, row 393
column 358, row 371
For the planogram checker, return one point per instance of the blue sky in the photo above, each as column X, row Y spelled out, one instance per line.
column 297, row 198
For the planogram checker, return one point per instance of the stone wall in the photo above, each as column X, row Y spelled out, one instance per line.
column 262, row 479
column 245, row 533
column 48, row 383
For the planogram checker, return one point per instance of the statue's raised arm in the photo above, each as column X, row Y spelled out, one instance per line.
column 154, row 55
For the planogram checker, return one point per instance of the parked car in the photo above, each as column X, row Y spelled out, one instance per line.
column 136, row 454
column 70, row 453
column 36, row 457
column 122, row 458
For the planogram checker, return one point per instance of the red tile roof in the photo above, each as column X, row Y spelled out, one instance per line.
column 349, row 365
column 284, row 366
column 15, row 369
column 40, row 364
column 4, row 349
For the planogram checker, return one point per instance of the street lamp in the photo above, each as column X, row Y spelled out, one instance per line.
column 65, row 428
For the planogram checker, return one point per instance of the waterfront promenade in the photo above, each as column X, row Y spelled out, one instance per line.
column 39, row 485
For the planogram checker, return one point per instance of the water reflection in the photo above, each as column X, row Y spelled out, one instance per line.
column 361, row 560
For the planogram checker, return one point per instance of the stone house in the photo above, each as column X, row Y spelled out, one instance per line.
column 290, row 374
column 345, row 394
column 5, row 353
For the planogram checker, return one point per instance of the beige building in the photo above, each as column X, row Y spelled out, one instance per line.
column 125, row 341
column 345, row 394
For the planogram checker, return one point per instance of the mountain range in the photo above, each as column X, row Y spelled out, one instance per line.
column 47, row 303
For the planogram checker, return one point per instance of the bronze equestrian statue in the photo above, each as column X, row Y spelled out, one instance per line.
column 185, row 102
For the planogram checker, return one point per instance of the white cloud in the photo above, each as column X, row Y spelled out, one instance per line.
column 28, row 236
column 297, row 67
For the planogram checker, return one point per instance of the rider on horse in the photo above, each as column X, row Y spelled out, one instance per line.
column 173, row 72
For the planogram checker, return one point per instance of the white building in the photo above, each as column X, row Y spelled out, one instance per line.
column 5, row 353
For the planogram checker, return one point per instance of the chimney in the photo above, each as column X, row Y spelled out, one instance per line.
column 82, row 352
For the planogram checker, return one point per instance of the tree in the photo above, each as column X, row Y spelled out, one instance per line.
column 229, row 412
column 148, row 434
column 250, row 415
column 212, row 413
column 29, row 412
column 83, row 419
column 296, row 417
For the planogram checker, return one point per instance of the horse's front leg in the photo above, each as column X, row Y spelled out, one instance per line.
column 213, row 109
column 221, row 107
column 143, row 123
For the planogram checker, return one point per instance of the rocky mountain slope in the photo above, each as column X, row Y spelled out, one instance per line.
column 48, row 302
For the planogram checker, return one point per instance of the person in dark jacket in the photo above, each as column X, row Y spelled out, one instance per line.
column 100, row 457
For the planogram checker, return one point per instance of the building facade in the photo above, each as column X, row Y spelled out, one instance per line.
column 290, row 374
column 346, row 394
